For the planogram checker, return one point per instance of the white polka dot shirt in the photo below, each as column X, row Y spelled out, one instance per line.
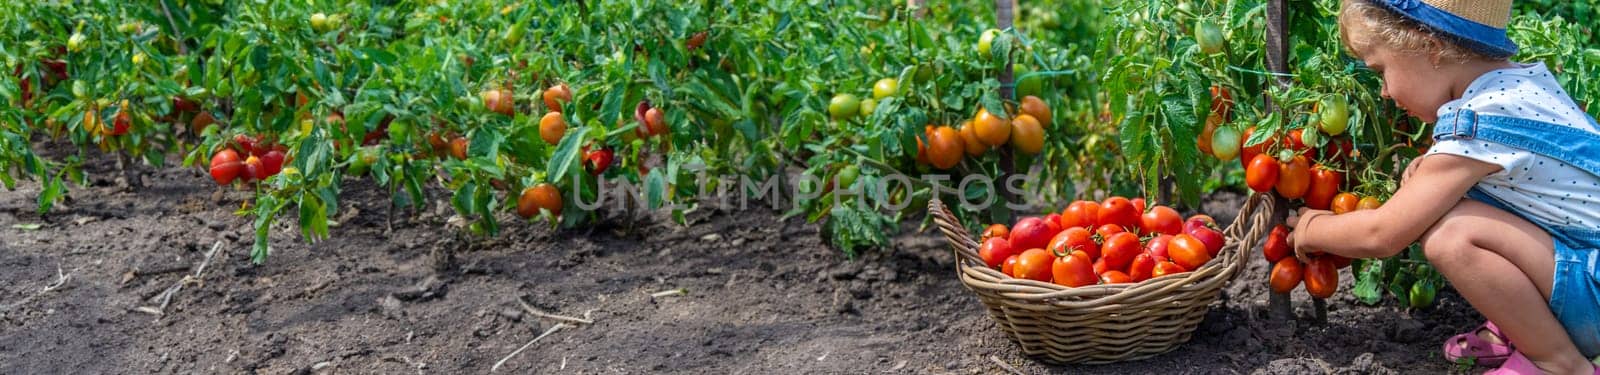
column 1542, row 188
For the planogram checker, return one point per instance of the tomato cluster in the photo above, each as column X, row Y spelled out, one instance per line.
column 945, row 146
column 1111, row 242
column 262, row 159
column 1321, row 274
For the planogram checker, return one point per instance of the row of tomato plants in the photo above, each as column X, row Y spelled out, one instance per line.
column 510, row 107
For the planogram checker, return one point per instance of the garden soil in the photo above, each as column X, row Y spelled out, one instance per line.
column 738, row 291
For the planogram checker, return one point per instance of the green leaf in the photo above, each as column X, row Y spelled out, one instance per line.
column 566, row 155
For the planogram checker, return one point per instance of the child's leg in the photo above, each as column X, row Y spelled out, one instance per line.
column 1504, row 266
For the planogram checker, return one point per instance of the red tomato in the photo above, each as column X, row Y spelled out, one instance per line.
column 1053, row 221
column 1073, row 270
column 1034, row 264
column 1119, row 211
column 271, row 163
column 1199, row 221
column 1142, row 267
column 1166, row 268
column 253, row 170
column 994, row 251
column 1074, row 239
column 995, row 231
column 1321, row 277
column 1294, row 178
column 1157, row 247
column 1249, row 152
column 225, row 166
column 1119, row 250
column 1081, row 214
column 1030, row 233
column 1138, row 204
column 1338, row 261
column 1296, row 143
column 1262, row 173
column 1277, row 246
column 1286, row 275
column 1161, row 219
column 1324, row 186
column 1188, row 252
column 1212, row 238
column 1105, row 231
column 1009, row 267
column 1100, row 266
column 1115, row 277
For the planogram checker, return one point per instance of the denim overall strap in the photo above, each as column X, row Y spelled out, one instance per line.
column 1571, row 145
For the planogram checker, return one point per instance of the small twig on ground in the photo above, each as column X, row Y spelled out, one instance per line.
column 166, row 296
column 1005, row 366
column 61, row 279
column 674, row 292
column 508, row 357
column 535, row 312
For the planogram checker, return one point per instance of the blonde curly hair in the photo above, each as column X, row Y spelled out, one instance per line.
column 1363, row 25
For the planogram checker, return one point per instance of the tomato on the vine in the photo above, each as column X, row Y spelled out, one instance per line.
column 986, row 41
column 991, row 129
column 1368, row 203
column 597, row 161
column 1209, row 36
column 1027, row 136
column 884, row 88
column 1225, row 143
column 1286, row 274
column 1294, row 178
column 552, row 127
column 1344, row 202
column 225, row 166
column 1248, row 153
column 1033, row 106
column 1321, row 277
column 843, row 106
column 539, row 197
column 1277, row 245
column 1207, row 139
column 555, row 96
column 1261, row 174
column 969, row 140
column 944, row 147
column 1325, row 184
column 1334, row 114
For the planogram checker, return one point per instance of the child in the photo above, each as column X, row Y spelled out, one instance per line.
column 1507, row 202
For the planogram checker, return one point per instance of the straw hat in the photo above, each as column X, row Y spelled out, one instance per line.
column 1476, row 24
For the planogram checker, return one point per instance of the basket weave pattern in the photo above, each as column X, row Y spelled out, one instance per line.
column 1103, row 323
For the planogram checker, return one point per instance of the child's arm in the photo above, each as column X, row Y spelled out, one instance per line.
column 1435, row 184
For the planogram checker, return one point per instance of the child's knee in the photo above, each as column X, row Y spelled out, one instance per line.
column 1447, row 241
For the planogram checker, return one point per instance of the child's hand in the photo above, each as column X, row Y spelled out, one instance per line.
column 1300, row 220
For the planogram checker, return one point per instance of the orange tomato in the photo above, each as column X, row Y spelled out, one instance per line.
column 552, row 127
column 991, row 129
column 969, row 140
column 1166, row 268
column 1369, row 203
column 1073, row 270
column 1344, row 202
column 539, row 197
column 1033, row 106
column 1034, row 264
column 555, row 95
column 1027, row 136
column 1261, row 174
column 995, row 231
column 944, row 147
column 1294, row 178
column 1189, row 252
column 1115, row 277
column 1321, row 277
column 1009, row 267
column 1286, row 274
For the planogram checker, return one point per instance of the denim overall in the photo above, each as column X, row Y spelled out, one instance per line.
column 1575, row 293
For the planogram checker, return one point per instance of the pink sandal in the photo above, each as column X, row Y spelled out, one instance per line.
column 1469, row 345
column 1517, row 364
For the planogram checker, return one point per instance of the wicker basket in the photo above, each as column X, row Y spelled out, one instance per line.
column 1104, row 323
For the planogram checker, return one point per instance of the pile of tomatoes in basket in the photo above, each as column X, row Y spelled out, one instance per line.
column 1111, row 242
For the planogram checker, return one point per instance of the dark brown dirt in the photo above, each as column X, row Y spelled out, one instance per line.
column 763, row 296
